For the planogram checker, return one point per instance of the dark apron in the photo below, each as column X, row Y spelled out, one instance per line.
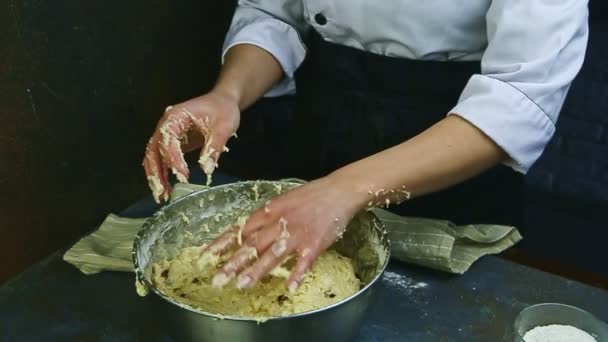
column 351, row 104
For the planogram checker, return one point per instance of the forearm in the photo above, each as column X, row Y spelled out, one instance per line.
column 247, row 74
column 448, row 153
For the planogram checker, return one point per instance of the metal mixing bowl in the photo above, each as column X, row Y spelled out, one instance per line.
column 180, row 224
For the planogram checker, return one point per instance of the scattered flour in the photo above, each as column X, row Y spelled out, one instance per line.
column 557, row 333
column 402, row 283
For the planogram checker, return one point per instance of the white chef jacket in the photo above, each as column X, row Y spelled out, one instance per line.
column 530, row 51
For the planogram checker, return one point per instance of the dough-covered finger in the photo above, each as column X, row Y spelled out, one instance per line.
column 241, row 259
column 262, row 239
column 271, row 258
column 223, row 242
column 175, row 126
column 156, row 173
column 230, row 238
column 262, row 217
column 306, row 258
column 216, row 137
column 203, row 125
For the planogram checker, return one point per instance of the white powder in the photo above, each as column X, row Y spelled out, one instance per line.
column 557, row 333
column 402, row 283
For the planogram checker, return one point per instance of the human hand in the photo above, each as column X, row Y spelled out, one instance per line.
column 303, row 223
column 207, row 121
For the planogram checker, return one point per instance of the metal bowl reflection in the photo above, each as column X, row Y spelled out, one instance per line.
column 179, row 225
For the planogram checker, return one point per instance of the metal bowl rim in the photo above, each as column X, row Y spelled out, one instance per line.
column 141, row 278
column 567, row 306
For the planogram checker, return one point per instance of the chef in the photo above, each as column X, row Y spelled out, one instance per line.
column 433, row 108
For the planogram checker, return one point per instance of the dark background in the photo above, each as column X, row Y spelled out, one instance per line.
column 82, row 84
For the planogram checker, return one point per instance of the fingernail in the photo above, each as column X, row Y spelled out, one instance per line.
column 220, row 280
column 243, row 282
column 293, row 287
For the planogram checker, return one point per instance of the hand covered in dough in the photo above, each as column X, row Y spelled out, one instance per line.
column 207, row 121
column 302, row 223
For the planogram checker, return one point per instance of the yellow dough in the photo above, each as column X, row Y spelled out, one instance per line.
column 186, row 280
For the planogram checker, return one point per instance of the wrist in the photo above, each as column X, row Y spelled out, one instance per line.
column 352, row 188
column 227, row 93
column 368, row 188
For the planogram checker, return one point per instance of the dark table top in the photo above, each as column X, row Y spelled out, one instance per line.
column 52, row 301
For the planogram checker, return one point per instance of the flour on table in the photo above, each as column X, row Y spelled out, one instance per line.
column 402, row 283
column 557, row 333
